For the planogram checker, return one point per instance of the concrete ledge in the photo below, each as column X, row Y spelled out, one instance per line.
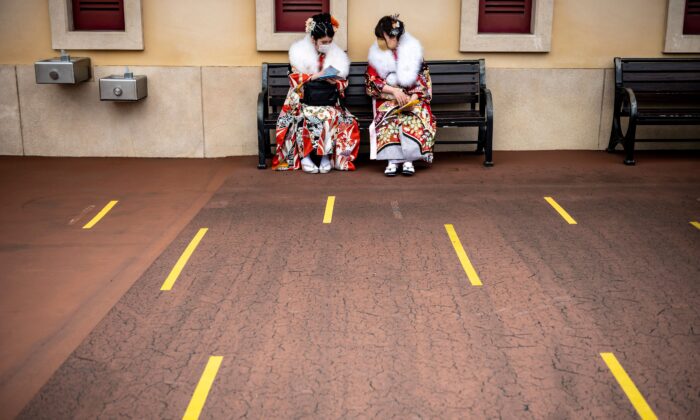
column 10, row 125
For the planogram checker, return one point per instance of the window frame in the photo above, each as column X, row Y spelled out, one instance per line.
column 64, row 37
column 676, row 41
column 269, row 40
column 539, row 40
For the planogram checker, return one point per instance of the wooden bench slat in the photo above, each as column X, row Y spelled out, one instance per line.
column 278, row 91
column 668, row 65
column 278, row 71
column 355, row 90
column 455, row 89
column 453, row 78
column 278, row 81
column 440, row 68
column 664, row 86
column 454, row 99
column 661, row 77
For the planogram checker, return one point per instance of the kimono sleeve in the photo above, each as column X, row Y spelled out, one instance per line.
column 341, row 85
column 374, row 84
column 297, row 79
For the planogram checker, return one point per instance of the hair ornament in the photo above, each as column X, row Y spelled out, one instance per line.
column 335, row 23
column 310, row 25
column 395, row 25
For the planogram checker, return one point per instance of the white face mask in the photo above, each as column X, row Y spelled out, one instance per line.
column 324, row 48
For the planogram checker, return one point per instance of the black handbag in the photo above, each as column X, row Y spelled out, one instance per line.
column 320, row 93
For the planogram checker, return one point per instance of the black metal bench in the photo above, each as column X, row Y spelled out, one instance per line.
column 654, row 91
column 460, row 99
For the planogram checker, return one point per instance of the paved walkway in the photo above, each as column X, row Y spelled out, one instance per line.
column 293, row 305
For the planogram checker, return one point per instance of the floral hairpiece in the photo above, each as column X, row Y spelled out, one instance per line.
column 395, row 25
column 310, row 25
column 335, row 23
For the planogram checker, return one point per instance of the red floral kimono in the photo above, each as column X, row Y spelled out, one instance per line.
column 406, row 135
column 303, row 129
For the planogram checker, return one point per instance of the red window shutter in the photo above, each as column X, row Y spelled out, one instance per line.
column 691, row 22
column 505, row 16
column 98, row 15
column 290, row 15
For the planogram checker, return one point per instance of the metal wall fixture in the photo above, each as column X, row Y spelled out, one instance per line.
column 124, row 88
column 64, row 70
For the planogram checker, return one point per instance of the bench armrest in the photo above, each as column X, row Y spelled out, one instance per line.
column 627, row 95
column 486, row 102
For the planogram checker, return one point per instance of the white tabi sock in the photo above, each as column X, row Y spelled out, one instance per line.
column 308, row 161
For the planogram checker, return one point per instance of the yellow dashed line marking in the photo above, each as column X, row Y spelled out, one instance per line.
column 462, row 255
column 560, row 210
column 200, row 393
column 101, row 214
column 628, row 387
column 328, row 216
column 172, row 277
column 696, row 224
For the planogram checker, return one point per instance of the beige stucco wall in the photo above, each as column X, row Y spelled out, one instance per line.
column 586, row 34
column 204, row 76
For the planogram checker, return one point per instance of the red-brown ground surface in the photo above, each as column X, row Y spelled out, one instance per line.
column 57, row 280
column 371, row 315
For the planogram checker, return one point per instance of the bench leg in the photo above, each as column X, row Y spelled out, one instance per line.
column 488, row 160
column 615, row 135
column 629, row 144
column 481, row 140
column 262, row 147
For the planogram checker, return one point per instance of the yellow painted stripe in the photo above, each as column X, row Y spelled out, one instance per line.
column 200, row 393
column 328, row 217
column 463, row 258
column 101, row 214
column 172, row 277
column 628, row 387
column 560, row 210
column 696, row 224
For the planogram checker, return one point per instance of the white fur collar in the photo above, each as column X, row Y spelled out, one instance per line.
column 304, row 57
column 403, row 71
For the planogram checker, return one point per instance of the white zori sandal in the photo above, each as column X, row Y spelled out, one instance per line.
column 408, row 169
column 308, row 166
column 325, row 165
column 390, row 169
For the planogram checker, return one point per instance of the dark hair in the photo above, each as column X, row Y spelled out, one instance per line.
column 386, row 26
column 324, row 26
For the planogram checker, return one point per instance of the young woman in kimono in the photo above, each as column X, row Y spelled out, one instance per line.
column 304, row 131
column 398, row 80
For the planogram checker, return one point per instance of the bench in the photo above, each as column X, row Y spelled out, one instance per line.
column 653, row 91
column 460, row 99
